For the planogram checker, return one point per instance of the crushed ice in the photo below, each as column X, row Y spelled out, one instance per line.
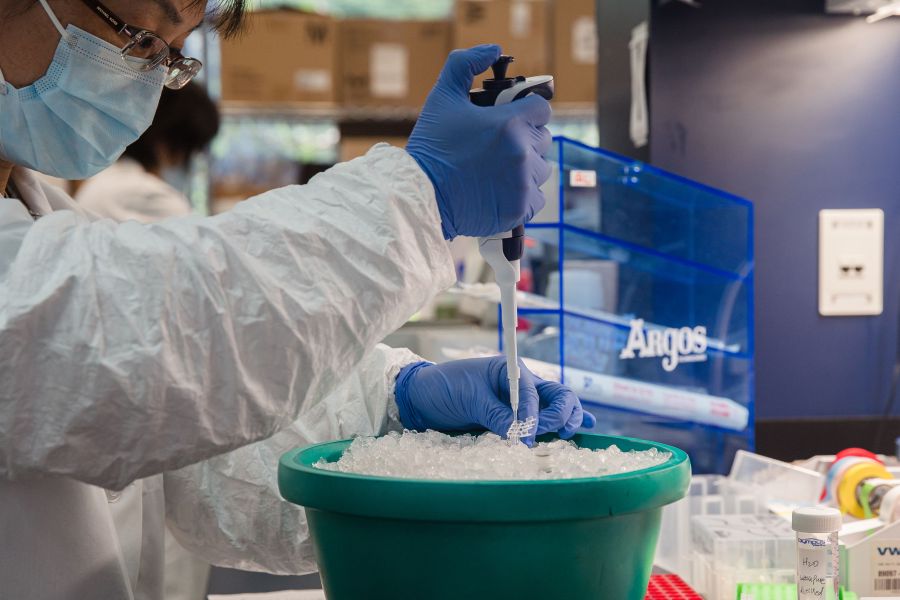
column 434, row 455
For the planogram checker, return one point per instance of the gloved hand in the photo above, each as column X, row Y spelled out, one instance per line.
column 486, row 163
column 474, row 394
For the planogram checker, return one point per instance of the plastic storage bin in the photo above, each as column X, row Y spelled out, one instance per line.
column 652, row 279
column 756, row 485
column 566, row 538
column 732, row 549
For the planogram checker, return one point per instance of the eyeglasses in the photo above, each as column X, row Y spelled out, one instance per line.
column 145, row 50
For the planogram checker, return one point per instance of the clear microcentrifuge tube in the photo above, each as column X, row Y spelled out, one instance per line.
column 542, row 456
column 818, row 558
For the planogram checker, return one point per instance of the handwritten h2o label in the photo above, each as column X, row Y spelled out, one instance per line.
column 814, row 569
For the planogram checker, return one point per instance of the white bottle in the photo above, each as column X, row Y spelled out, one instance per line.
column 818, row 557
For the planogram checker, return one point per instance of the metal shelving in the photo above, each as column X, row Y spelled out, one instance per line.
column 326, row 112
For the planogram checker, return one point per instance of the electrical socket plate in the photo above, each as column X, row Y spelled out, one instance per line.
column 851, row 262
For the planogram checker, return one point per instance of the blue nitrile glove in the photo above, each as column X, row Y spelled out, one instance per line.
column 486, row 163
column 474, row 394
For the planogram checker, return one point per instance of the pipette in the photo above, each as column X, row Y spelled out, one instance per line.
column 504, row 251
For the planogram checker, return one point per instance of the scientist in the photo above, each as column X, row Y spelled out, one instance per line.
column 150, row 182
column 169, row 365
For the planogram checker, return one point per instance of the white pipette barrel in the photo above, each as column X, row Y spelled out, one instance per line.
column 507, row 274
column 509, row 316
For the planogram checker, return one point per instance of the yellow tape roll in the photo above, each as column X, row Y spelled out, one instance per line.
column 846, row 492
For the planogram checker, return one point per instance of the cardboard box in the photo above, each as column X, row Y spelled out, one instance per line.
column 356, row 146
column 391, row 63
column 520, row 27
column 574, row 61
column 286, row 56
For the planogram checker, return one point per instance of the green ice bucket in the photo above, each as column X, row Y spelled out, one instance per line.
column 589, row 538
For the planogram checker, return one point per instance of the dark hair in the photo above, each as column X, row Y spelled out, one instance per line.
column 228, row 16
column 185, row 122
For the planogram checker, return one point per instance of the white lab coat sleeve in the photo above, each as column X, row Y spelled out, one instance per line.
column 228, row 509
column 132, row 349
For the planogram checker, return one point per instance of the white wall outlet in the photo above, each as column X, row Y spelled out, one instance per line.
column 851, row 262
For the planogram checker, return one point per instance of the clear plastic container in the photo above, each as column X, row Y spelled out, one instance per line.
column 673, row 550
column 709, row 495
column 650, row 277
column 778, row 486
column 733, row 549
column 748, row 543
column 818, row 556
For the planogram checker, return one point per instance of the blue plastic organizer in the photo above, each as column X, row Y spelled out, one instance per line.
column 635, row 243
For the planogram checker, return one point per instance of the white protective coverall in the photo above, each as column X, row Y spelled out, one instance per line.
column 152, row 357
column 127, row 191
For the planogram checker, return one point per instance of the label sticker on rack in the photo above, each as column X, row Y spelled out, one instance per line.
column 582, row 179
column 520, row 19
column 389, row 70
column 886, row 566
column 584, row 41
column 312, row 80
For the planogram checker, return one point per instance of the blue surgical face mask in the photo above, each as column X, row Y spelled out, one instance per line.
column 81, row 115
